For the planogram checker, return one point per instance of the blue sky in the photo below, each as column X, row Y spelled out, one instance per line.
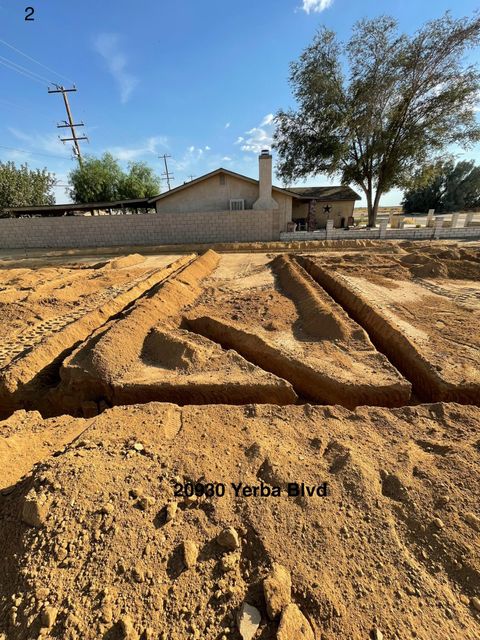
column 198, row 80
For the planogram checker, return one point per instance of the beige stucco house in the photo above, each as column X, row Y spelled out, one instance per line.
column 223, row 190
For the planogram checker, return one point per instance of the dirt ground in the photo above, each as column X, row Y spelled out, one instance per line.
column 329, row 402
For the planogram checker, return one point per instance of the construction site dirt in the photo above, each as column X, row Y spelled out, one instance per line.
column 188, row 438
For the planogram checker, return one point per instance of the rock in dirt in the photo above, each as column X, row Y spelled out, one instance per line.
column 190, row 553
column 438, row 523
column 108, row 509
column 171, row 511
column 277, row 588
column 35, row 509
column 126, row 628
column 145, row 502
column 248, row 620
column 472, row 520
column 229, row 539
column 294, row 625
column 376, row 634
column 475, row 602
column 48, row 617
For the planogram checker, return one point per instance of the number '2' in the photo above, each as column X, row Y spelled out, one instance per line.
column 29, row 11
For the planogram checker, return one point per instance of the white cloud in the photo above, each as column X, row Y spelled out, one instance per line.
column 316, row 6
column 132, row 153
column 259, row 137
column 108, row 46
column 227, row 126
column 227, row 159
column 207, row 148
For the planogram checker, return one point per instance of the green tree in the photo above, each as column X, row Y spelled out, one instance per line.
column 400, row 101
column 139, row 182
column 96, row 180
column 445, row 187
column 103, row 180
column 23, row 187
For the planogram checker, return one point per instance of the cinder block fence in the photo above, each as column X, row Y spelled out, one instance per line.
column 196, row 228
column 146, row 229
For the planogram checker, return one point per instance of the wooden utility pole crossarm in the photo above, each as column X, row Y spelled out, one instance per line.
column 70, row 124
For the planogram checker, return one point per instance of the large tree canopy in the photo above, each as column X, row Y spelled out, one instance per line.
column 23, row 187
column 381, row 106
column 445, row 187
column 103, row 180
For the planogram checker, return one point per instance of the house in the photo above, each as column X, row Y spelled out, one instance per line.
column 223, row 190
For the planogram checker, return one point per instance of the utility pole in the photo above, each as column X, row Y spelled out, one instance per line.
column 70, row 124
column 167, row 174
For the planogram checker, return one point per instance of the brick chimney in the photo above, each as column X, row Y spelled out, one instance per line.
column 265, row 200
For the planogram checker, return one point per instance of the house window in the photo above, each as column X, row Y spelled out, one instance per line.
column 222, row 179
column 237, row 205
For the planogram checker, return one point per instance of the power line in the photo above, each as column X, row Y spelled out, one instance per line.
column 34, row 60
column 33, row 153
column 21, row 67
column 70, row 124
column 17, row 105
column 27, row 74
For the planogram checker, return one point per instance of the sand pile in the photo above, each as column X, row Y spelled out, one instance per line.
column 97, row 545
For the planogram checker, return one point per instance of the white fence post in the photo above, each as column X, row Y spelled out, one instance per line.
column 454, row 220
column 436, row 228
column 468, row 219
column 329, row 229
column 383, row 229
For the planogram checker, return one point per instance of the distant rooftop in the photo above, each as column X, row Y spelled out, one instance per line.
column 325, row 193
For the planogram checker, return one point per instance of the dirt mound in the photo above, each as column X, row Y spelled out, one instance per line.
column 431, row 269
column 126, row 261
column 415, row 258
column 435, row 262
column 95, row 544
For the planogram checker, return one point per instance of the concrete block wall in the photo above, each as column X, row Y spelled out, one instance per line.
column 146, row 229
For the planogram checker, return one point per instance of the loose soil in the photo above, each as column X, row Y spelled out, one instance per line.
column 392, row 547
column 356, row 366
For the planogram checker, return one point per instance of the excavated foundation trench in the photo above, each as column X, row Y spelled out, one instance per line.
column 122, row 360
column 310, row 384
column 427, row 383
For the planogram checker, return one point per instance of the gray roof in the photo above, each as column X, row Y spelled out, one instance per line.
column 325, row 193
